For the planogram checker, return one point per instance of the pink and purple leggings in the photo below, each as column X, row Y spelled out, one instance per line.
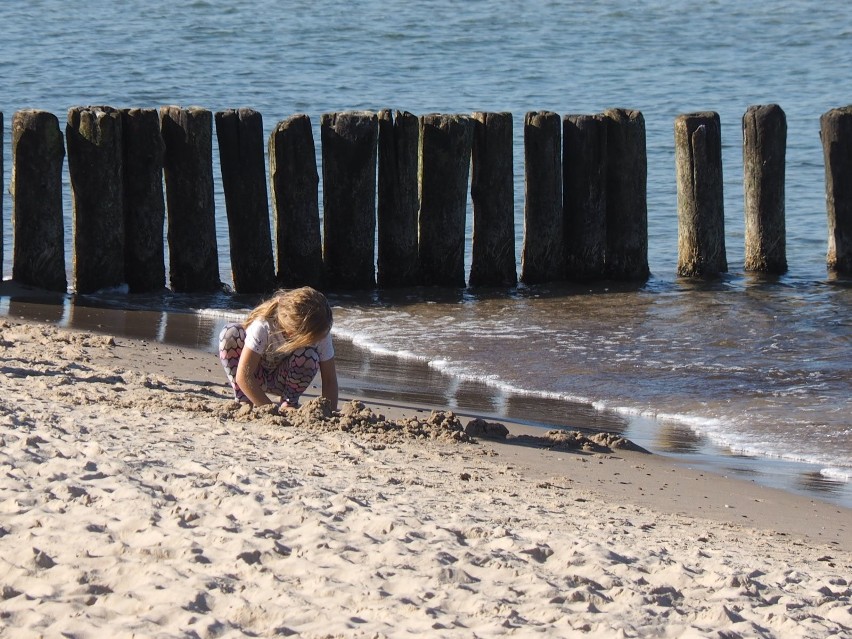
column 289, row 380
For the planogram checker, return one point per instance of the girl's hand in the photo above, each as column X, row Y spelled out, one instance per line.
column 246, row 368
column 287, row 405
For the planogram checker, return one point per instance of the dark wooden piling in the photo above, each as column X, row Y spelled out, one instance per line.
column 38, row 257
column 492, row 191
column 701, row 219
column 144, row 204
column 93, row 138
column 399, row 202
column 240, row 136
column 188, row 169
column 764, row 150
column 445, row 149
column 349, row 148
column 295, row 202
column 584, row 169
column 836, row 134
column 626, row 196
column 2, row 136
column 543, row 255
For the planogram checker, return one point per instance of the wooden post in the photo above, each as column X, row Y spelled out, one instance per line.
column 37, row 226
column 626, row 196
column 584, row 165
column 2, row 135
column 445, row 148
column 295, row 200
column 144, row 205
column 543, row 255
column 93, row 138
column 349, row 148
column 399, row 137
column 701, row 214
column 188, row 168
column 764, row 149
column 836, row 134
column 492, row 190
column 240, row 136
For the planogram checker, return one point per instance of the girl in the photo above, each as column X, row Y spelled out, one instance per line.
column 283, row 343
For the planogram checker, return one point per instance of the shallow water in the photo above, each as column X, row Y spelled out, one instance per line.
column 758, row 366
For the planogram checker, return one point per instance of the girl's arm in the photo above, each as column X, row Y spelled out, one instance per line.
column 249, row 361
column 328, row 373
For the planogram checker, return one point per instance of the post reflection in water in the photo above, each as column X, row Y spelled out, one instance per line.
column 143, row 325
column 35, row 310
column 674, row 438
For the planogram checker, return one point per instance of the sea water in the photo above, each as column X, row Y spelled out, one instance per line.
column 755, row 366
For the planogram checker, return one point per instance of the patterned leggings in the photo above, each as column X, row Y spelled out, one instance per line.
column 289, row 380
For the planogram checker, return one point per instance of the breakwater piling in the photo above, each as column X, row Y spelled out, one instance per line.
column 93, row 138
column 836, row 134
column 188, row 171
column 349, row 156
column 764, row 156
column 445, row 149
column 38, row 256
column 295, row 202
column 240, row 136
column 584, row 157
column 144, row 202
column 492, row 192
column 700, row 205
column 395, row 194
column 543, row 254
column 398, row 199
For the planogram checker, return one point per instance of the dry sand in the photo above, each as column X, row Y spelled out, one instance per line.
column 137, row 500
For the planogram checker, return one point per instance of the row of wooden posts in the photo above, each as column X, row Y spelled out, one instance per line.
column 407, row 177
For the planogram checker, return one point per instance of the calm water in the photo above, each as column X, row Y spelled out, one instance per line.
column 761, row 367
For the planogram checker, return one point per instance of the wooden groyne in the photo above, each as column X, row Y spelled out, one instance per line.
column 395, row 195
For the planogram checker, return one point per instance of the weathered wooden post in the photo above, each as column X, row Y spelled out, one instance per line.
column 38, row 257
column 188, row 168
column 543, row 255
column 240, row 136
column 349, row 148
column 836, row 133
column 626, row 196
column 492, row 191
column 764, row 149
column 584, row 166
column 93, row 138
column 144, row 205
column 295, row 200
column 2, row 135
column 445, row 148
column 701, row 213
column 398, row 205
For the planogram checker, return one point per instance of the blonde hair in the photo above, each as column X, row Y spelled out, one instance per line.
column 302, row 316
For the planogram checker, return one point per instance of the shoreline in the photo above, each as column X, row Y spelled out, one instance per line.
column 385, row 379
column 368, row 378
column 138, row 500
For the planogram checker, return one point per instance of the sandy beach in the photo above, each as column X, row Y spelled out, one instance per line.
column 137, row 500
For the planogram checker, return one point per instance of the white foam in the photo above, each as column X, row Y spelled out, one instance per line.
column 842, row 474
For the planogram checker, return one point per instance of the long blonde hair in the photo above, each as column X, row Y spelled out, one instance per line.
column 302, row 316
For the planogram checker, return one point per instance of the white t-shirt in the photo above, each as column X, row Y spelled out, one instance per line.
column 261, row 339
